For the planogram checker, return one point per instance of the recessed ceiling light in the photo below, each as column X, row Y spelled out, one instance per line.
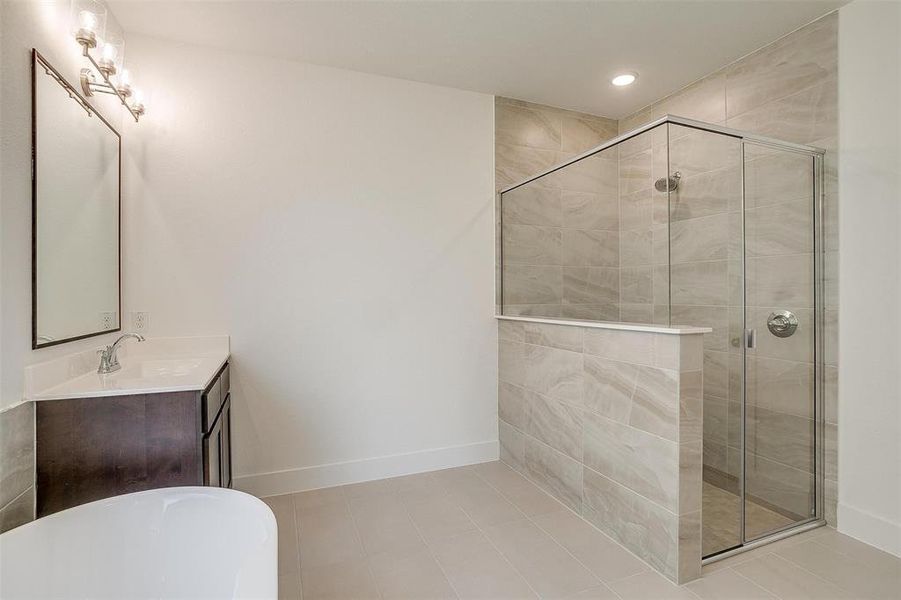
column 624, row 79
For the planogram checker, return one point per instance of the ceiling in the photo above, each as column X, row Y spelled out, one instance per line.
column 551, row 52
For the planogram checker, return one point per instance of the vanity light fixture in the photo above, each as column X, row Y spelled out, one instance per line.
column 624, row 79
column 114, row 78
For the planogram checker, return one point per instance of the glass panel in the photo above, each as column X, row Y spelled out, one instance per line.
column 780, row 479
column 706, row 263
column 589, row 240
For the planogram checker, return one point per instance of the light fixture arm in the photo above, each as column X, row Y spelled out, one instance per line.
column 90, row 86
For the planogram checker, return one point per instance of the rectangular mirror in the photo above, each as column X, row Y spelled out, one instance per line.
column 75, row 212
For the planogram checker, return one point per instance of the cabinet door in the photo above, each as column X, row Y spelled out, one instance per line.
column 212, row 456
column 225, row 420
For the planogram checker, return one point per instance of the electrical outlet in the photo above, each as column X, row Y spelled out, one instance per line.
column 140, row 322
column 107, row 320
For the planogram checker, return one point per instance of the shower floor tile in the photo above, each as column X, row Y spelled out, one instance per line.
column 721, row 526
column 425, row 536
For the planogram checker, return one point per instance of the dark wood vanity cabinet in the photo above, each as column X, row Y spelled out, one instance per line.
column 93, row 448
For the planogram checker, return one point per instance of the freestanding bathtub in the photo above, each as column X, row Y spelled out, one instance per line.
column 188, row 542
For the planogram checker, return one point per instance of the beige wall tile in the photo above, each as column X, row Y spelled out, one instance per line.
column 16, row 452
column 608, row 386
column 556, row 424
column 558, row 474
column 590, row 248
column 644, row 463
column 555, row 336
column 655, row 403
column 532, row 245
column 643, row 527
column 512, row 446
column 555, row 373
column 533, row 204
column 523, row 126
column 587, row 210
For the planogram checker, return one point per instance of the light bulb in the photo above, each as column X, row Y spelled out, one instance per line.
column 123, row 77
column 109, row 52
column 138, row 96
column 624, row 79
column 87, row 20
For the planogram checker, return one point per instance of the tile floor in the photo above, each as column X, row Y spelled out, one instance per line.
column 486, row 532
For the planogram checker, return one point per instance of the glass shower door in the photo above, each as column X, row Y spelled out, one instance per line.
column 779, row 424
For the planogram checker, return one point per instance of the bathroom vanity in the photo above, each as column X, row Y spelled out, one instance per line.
column 163, row 420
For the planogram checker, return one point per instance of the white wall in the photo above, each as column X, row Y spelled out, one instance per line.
column 44, row 25
column 870, row 265
column 339, row 226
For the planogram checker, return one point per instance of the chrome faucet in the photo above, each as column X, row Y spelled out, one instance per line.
column 109, row 361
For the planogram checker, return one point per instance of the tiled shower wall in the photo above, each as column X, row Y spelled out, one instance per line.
column 16, row 465
column 561, row 239
column 787, row 90
column 609, row 422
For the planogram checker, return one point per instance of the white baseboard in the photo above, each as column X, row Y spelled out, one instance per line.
column 870, row 529
column 367, row 469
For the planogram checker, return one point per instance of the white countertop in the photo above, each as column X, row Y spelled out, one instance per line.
column 153, row 366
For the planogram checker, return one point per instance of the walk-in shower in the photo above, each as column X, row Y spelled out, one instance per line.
column 686, row 223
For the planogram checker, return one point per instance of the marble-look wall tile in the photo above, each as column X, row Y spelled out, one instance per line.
column 789, row 65
column 556, row 336
column 513, row 164
column 587, row 210
column 16, row 451
column 636, row 209
column 512, row 404
column 780, row 229
column 645, row 528
column 533, row 205
column 655, row 402
column 689, row 565
column 592, row 312
column 704, row 283
column 555, row 423
column 701, row 239
column 644, row 463
column 532, row 245
column 558, row 474
column 512, row 446
column 636, row 248
column 511, row 331
column 511, row 363
column 590, row 248
column 636, row 285
column 608, row 386
column 708, row 193
column 704, row 100
column 554, row 373
column 591, row 285
column 19, row 511
column 694, row 152
column 582, row 134
column 524, row 126
column 529, row 284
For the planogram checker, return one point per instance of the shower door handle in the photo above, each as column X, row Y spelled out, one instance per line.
column 751, row 339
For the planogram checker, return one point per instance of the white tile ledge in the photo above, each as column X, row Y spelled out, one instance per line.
column 672, row 330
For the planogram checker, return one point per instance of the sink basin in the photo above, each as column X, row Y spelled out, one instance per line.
column 141, row 375
column 161, row 367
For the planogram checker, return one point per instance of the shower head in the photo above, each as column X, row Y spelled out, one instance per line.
column 668, row 184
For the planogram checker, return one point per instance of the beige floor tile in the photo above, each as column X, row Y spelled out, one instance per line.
column 327, row 535
column 728, row 585
column 288, row 555
column 605, row 558
column 749, row 555
column 439, row 519
column 852, row 573
column 384, row 525
column 289, row 587
column 843, row 544
column 789, row 581
column 477, row 570
column 421, row 487
column 602, row 592
column 484, row 505
column 366, row 489
column 314, row 498
column 521, row 492
column 546, row 566
column 650, row 586
column 409, row 575
column 341, row 581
